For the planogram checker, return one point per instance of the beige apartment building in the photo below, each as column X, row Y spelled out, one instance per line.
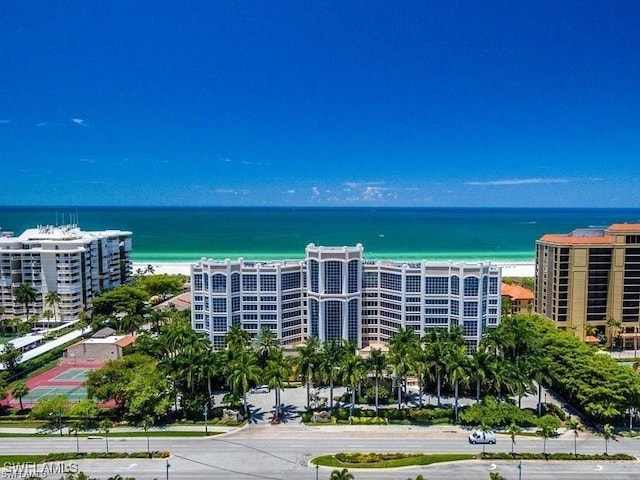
column 588, row 277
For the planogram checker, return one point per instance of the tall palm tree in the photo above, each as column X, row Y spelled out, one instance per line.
column 242, row 372
column 52, row 299
column 576, row 428
column 26, row 295
column 351, row 372
column 435, row 355
column 330, row 357
column 402, row 347
column 308, row 358
column 457, row 372
column 277, row 371
column 377, row 363
column 483, row 366
column 538, row 371
column 48, row 315
column 237, row 337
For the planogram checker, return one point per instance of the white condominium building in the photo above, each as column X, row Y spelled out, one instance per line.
column 335, row 294
column 76, row 265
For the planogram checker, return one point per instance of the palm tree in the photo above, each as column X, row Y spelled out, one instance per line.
column 308, row 358
column 614, row 326
column 547, row 428
column 26, row 295
column 243, row 371
column 420, row 367
column 105, row 426
column 538, row 371
column 457, row 365
column 48, row 315
column 608, row 433
column 264, row 343
column 20, row 390
column 276, row 373
column 341, row 475
column 237, row 337
column 483, row 366
column 351, row 372
column 402, row 347
column 52, row 299
column 513, row 430
column 377, row 363
column 574, row 426
column 330, row 356
column 435, row 354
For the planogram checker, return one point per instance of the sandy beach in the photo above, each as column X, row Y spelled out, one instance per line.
column 509, row 269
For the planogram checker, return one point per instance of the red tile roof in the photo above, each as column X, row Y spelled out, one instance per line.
column 516, row 292
column 624, row 227
column 569, row 240
column 126, row 341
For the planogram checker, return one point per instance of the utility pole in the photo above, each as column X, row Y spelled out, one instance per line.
column 168, row 465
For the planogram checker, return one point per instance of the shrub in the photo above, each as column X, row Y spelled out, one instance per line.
column 491, row 412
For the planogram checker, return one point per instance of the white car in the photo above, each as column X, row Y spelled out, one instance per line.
column 478, row 436
column 260, row 389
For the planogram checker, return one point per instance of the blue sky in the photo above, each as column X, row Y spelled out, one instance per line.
column 424, row 103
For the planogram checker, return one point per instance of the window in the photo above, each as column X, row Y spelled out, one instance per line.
column 471, row 287
column 353, row 276
column 493, row 285
column 485, row 285
column 314, row 274
column 219, row 324
column 455, row 307
column 333, row 320
column 235, row 304
column 333, row 277
column 455, row 285
column 353, row 321
column 470, row 309
column 313, row 317
column 469, row 328
column 413, row 283
column 218, row 283
column 267, row 283
column 370, row 279
column 197, row 282
column 249, row 283
column 437, row 285
column 290, row 281
column 235, row 282
column 391, row 281
column 219, row 305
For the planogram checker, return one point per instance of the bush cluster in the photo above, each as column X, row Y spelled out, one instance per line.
column 372, row 457
column 498, row 414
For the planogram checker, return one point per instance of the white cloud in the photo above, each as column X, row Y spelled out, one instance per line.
column 87, row 160
column 226, row 160
column 362, row 184
column 291, row 191
column 372, row 193
column 225, row 190
column 519, row 181
column 5, row 121
column 315, row 192
column 79, row 121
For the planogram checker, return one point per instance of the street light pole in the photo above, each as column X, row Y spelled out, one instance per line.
column 206, row 414
column 168, row 465
column 317, row 467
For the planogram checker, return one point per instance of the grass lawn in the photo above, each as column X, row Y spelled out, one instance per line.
column 135, row 433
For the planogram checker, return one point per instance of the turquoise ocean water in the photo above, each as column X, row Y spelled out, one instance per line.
column 187, row 234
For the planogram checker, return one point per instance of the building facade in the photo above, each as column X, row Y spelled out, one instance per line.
column 588, row 277
column 77, row 265
column 334, row 293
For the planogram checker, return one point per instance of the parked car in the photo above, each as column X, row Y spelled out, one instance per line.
column 478, row 436
column 260, row 389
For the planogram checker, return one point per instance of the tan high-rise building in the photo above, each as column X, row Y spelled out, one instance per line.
column 590, row 276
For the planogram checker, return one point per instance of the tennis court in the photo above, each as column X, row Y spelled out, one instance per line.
column 73, row 374
column 74, row 394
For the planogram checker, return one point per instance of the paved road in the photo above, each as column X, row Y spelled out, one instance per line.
column 279, row 452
